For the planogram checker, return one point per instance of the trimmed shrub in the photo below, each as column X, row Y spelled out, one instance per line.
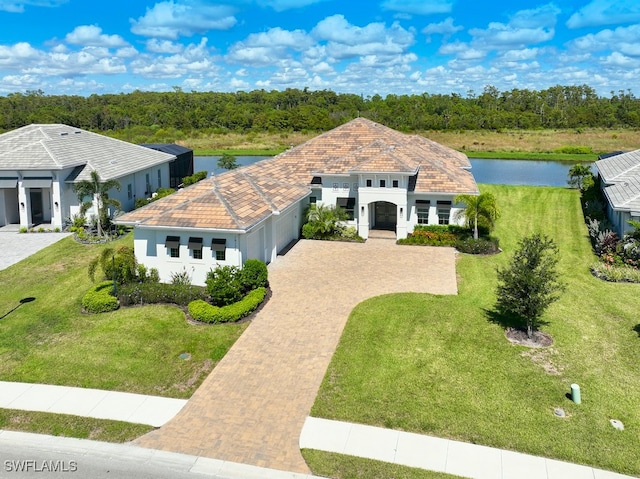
column 99, row 299
column 197, row 176
column 432, row 238
column 152, row 293
column 479, row 246
column 254, row 274
column 223, row 285
column 202, row 311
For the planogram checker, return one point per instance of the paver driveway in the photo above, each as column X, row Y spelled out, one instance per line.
column 252, row 406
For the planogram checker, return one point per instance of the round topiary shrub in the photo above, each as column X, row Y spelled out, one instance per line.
column 202, row 311
column 99, row 299
column 254, row 275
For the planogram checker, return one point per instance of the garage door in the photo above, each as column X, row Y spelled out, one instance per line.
column 285, row 232
column 255, row 245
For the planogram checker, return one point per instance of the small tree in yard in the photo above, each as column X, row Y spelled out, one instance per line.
column 530, row 283
column 481, row 209
column 580, row 176
column 97, row 190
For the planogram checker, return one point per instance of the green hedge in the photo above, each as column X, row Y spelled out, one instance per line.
column 478, row 246
column 99, row 299
column 202, row 311
column 152, row 293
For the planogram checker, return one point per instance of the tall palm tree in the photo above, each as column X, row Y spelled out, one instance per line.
column 98, row 191
column 482, row 207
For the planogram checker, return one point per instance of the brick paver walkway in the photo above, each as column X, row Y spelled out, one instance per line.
column 252, row 406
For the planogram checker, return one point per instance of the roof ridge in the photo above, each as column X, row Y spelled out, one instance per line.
column 261, row 193
column 224, row 202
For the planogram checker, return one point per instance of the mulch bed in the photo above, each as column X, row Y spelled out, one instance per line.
column 538, row 339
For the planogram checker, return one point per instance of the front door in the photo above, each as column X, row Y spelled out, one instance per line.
column 386, row 216
column 37, row 215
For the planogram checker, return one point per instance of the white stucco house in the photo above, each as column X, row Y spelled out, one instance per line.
column 40, row 163
column 620, row 182
column 385, row 179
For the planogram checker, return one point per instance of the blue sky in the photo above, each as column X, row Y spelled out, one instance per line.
column 355, row 46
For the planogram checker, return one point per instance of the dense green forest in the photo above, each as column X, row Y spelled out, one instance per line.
column 305, row 110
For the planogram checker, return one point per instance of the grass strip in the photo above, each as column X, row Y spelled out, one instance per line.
column 339, row 466
column 71, row 426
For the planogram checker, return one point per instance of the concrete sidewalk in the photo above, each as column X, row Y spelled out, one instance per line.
column 83, row 450
column 136, row 408
column 435, row 454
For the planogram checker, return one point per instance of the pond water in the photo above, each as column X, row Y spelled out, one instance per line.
column 521, row 172
column 491, row 171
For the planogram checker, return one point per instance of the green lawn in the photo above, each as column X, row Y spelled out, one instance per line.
column 339, row 466
column 136, row 349
column 441, row 365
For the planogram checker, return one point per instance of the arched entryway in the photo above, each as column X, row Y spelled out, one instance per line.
column 385, row 216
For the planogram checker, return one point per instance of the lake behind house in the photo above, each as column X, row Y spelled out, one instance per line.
column 488, row 171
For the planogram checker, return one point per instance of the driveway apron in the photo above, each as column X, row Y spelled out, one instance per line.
column 253, row 405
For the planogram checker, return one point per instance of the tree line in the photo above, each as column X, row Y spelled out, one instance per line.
column 306, row 110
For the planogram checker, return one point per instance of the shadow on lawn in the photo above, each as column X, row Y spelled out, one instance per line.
column 511, row 320
column 636, row 328
column 22, row 301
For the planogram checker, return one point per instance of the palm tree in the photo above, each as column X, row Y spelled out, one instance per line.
column 481, row 208
column 98, row 191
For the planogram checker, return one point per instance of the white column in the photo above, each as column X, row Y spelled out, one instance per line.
column 363, row 220
column 25, row 206
column 401, row 221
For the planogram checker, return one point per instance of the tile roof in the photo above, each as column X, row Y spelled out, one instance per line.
column 622, row 173
column 56, row 147
column 240, row 198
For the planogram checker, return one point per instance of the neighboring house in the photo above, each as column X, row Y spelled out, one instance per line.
column 40, row 163
column 183, row 164
column 620, row 181
column 383, row 178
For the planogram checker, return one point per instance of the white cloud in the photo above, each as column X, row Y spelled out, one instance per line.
column 17, row 6
column 194, row 58
column 524, row 54
column 620, row 60
column 91, row 35
column 445, row 27
column 282, row 5
column 347, row 41
column 622, row 38
column 237, row 84
column 605, row 12
column 163, row 46
column 270, row 47
column 277, row 37
column 175, row 18
column 418, row 7
column 18, row 55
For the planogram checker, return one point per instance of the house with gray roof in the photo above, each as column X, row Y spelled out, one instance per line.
column 39, row 165
column 383, row 178
column 620, row 180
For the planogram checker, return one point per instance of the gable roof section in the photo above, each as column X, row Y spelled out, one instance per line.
column 622, row 175
column 236, row 200
column 56, row 147
column 240, row 198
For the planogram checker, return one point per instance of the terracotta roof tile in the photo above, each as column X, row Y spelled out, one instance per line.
column 240, row 198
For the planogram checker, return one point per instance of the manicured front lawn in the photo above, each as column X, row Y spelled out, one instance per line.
column 441, row 365
column 136, row 349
